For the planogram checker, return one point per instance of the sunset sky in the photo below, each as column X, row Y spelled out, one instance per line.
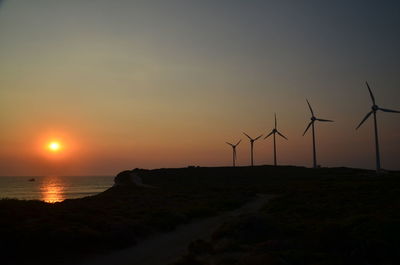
column 123, row 84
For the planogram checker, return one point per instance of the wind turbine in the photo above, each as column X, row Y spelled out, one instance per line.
column 234, row 151
column 251, row 146
column 313, row 119
column 273, row 132
column 375, row 108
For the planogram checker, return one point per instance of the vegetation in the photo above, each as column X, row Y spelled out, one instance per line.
column 337, row 218
column 321, row 216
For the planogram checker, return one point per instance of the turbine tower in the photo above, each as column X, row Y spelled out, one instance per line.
column 313, row 119
column 251, row 146
column 374, row 109
column 234, row 151
column 273, row 132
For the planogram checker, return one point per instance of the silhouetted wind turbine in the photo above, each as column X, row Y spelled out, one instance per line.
column 234, row 151
column 251, row 146
column 313, row 119
column 273, row 132
column 375, row 108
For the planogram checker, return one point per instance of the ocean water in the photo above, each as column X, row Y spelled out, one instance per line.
column 53, row 188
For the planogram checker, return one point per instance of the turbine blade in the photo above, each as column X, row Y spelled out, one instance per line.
column 247, row 136
column 312, row 112
column 308, row 127
column 258, row 137
column 275, row 120
column 282, row 135
column 229, row 144
column 389, row 110
column 370, row 93
column 269, row 135
column 238, row 142
column 324, row 120
column 365, row 118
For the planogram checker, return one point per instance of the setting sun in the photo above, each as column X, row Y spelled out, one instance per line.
column 54, row 146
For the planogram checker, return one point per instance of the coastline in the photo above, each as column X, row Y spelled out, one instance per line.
column 52, row 188
column 125, row 215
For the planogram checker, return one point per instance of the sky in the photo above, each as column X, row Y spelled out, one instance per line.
column 124, row 84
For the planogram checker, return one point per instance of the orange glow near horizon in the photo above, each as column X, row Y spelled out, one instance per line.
column 132, row 94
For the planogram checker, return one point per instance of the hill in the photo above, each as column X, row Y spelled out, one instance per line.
column 320, row 216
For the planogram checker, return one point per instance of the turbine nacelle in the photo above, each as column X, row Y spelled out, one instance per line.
column 313, row 118
column 252, row 140
column 275, row 131
column 234, row 151
column 374, row 109
column 311, row 124
column 234, row 145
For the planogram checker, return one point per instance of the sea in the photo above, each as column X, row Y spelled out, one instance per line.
column 53, row 188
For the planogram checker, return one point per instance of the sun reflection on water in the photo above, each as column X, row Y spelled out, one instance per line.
column 52, row 190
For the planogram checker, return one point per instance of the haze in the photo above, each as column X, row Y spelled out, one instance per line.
column 154, row 84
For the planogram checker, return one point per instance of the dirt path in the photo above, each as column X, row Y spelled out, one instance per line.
column 166, row 248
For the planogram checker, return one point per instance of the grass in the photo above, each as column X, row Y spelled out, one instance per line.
column 338, row 217
column 321, row 216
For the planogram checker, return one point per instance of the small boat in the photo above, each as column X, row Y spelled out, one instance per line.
column 32, row 179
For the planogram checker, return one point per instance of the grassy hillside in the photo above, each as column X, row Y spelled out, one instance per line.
column 321, row 214
column 331, row 218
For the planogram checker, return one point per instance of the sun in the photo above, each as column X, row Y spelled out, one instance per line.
column 54, row 146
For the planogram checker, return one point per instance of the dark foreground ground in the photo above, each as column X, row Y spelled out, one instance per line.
column 321, row 216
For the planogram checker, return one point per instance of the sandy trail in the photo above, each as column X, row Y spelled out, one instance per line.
column 168, row 247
